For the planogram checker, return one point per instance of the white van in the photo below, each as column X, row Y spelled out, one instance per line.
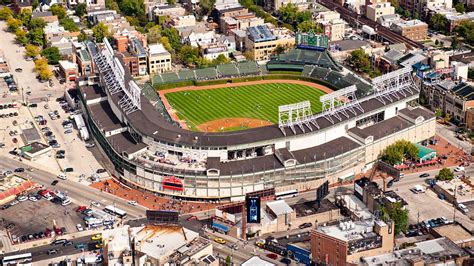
column 419, row 189
column 463, row 208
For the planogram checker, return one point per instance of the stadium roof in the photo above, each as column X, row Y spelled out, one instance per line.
column 260, row 33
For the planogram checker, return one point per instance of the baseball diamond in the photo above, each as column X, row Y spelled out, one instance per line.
column 255, row 102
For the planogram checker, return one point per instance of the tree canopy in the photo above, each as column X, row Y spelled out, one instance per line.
column 13, row 24
column 290, row 15
column 100, row 31
column 398, row 151
column 58, row 10
column 21, row 37
column 445, row 174
column 466, row 30
column 359, row 60
column 37, row 23
column 154, row 34
column 69, row 24
column 25, row 16
column 80, row 10
column 42, row 68
column 5, row 13
column 52, row 54
column 398, row 215
column 439, row 22
column 36, row 36
column 460, row 8
column 308, row 25
column 32, row 50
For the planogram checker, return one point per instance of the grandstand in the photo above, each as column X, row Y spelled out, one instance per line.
column 296, row 59
column 186, row 74
column 150, row 94
column 337, row 79
column 248, row 68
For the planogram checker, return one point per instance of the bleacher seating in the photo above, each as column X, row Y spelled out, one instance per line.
column 249, row 68
column 206, row 73
column 170, row 77
column 303, row 57
column 228, row 70
column 186, row 74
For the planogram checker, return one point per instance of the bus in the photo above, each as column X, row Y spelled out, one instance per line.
column 20, row 259
column 115, row 211
column 286, row 194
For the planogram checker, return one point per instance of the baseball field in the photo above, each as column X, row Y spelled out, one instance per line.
column 232, row 107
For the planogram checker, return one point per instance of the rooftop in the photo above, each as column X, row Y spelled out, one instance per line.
column 279, row 207
column 256, row 261
column 311, row 207
column 157, row 48
column 431, row 252
column 34, row 147
column 31, row 135
column 382, row 129
column 92, row 92
column 350, row 230
column 464, row 91
column 454, row 231
column 463, row 190
column 410, row 23
column 67, row 64
column 104, row 117
column 260, row 33
column 159, row 241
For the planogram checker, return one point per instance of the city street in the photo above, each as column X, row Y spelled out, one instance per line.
column 447, row 132
column 80, row 194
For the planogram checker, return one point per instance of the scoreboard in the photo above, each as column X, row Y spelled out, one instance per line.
column 311, row 41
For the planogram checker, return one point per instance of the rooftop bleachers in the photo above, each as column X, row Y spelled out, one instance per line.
column 228, row 70
column 186, row 74
column 248, row 68
column 305, row 57
column 170, row 77
column 206, row 73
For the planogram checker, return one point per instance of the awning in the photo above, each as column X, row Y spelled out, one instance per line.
column 425, row 153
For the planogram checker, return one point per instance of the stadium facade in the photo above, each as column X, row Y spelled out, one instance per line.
column 150, row 152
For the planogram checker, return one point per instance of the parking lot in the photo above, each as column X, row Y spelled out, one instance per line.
column 31, row 218
column 66, row 137
column 427, row 205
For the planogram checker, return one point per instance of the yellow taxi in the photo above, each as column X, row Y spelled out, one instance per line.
column 96, row 237
column 219, row 240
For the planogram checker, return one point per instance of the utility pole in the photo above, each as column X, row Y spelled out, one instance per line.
column 454, row 203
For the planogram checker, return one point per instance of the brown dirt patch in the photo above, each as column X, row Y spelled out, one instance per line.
column 225, row 124
column 175, row 117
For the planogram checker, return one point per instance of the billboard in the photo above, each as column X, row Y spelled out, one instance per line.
column 225, row 215
column 311, row 41
column 253, row 209
column 322, row 191
column 162, row 217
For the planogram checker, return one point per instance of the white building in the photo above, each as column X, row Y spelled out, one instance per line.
column 377, row 10
column 197, row 39
column 333, row 25
column 159, row 60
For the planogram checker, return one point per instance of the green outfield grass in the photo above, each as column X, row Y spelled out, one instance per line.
column 253, row 101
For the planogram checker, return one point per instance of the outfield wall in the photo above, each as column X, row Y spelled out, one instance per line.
column 242, row 79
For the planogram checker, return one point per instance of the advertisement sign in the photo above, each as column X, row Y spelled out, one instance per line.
column 225, row 215
column 253, row 209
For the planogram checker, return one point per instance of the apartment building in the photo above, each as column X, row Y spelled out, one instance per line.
column 241, row 22
column 137, row 48
column 130, row 60
column 377, row 10
column 412, row 29
column 334, row 27
column 276, row 4
column 347, row 242
column 262, row 42
column 159, row 60
column 182, row 21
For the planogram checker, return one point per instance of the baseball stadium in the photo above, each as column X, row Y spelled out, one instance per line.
column 219, row 133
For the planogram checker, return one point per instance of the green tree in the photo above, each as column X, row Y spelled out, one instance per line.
column 154, row 34
column 25, row 16
column 308, row 25
column 100, row 31
column 206, row 6
column 112, row 5
column 13, row 24
column 5, row 13
column 21, row 37
column 228, row 261
column 173, row 38
column 454, row 42
column 37, row 23
column 460, row 8
column 32, row 51
column 447, row 118
column 82, row 37
column 248, row 55
column 280, row 49
column 80, row 10
column 58, row 10
column 171, row 2
column 188, row 55
column 395, row 153
column 69, row 24
column 359, row 60
column 438, row 112
column 134, row 8
column 416, row 15
column 34, row 4
column 438, row 22
column 221, row 59
column 406, row 13
column 466, row 30
column 36, row 36
column 288, row 13
column 445, row 174
column 52, row 54
column 397, row 214
column 166, row 44
column 395, row 3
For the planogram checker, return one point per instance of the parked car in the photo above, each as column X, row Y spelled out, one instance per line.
column 132, row 202
column 424, row 175
column 219, row 240
column 305, row 225
column 96, row 237
column 62, row 176
column 79, row 228
column 90, row 145
column 459, row 169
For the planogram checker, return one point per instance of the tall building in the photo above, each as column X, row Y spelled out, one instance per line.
column 348, row 242
column 415, row 29
column 159, row 60
column 261, row 42
column 377, row 10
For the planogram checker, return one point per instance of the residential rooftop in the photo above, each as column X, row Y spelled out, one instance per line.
column 410, row 23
